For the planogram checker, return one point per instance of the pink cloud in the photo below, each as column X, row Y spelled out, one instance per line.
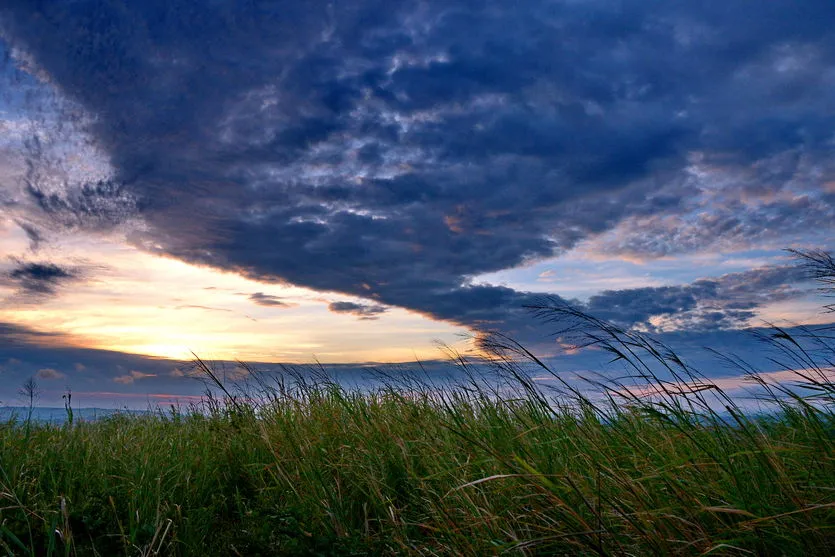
column 49, row 374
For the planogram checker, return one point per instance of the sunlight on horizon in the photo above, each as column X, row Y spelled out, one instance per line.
column 140, row 303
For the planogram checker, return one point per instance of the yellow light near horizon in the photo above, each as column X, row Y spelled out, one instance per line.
column 140, row 303
column 170, row 351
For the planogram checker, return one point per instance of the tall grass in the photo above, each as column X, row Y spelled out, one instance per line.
column 658, row 462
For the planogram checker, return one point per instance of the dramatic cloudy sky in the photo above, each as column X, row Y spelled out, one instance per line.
column 274, row 181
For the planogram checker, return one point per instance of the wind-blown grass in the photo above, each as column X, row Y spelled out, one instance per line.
column 292, row 466
column 318, row 469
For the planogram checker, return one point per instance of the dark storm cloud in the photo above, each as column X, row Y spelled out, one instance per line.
column 363, row 311
column 394, row 150
column 36, row 280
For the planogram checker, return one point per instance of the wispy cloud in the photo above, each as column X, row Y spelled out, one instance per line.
column 205, row 308
column 267, row 300
column 363, row 311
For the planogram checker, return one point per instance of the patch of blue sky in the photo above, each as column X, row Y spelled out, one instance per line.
column 578, row 276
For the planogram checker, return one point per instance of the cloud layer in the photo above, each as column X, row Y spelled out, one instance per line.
column 724, row 302
column 396, row 150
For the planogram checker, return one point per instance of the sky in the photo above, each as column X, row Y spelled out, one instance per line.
column 360, row 182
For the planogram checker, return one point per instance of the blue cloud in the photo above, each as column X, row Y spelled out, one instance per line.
column 728, row 301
